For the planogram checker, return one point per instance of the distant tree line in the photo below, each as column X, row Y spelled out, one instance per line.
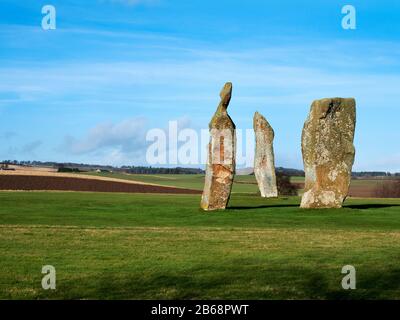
column 290, row 172
column 151, row 170
column 68, row 166
column 285, row 186
column 364, row 174
column 63, row 169
column 82, row 167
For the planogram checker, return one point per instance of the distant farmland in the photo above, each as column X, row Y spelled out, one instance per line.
column 116, row 182
column 363, row 188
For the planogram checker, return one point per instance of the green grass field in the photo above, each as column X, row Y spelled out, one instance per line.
column 243, row 184
column 134, row 246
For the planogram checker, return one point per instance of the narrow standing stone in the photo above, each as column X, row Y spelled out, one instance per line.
column 264, row 163
column 328, row 152
column 220, row 169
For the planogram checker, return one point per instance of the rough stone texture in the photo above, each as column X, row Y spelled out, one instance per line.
column 220, row 169
column 328, row 152
column 264, row 163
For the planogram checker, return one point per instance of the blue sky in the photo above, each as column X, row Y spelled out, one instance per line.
column 113, row 69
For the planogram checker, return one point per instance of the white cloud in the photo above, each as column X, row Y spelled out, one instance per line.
column 127, row 136
column 121, row 143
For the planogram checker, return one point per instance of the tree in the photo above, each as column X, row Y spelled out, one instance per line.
column 285, row 186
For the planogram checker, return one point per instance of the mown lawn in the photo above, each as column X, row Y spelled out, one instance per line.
column 131, row 246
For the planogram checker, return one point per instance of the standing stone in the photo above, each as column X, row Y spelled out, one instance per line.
column 220, row 169
column 328, row 152
column 264, row 163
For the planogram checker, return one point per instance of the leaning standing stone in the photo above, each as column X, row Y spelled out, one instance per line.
column 264, row 163
column 220, row 169
column 328, row 152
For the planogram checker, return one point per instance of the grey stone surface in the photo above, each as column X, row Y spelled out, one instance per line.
column 264, row 160
column 328, row 152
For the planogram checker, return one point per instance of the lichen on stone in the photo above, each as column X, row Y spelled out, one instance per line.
column 220, row 169
column 328, row 152
column 264, row 161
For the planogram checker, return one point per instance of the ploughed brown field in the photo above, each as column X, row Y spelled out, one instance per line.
column 362, row 191
column 366, row 190
column 62, row 183
column 172, row 184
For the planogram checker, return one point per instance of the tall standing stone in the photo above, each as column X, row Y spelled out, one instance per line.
column 264, row 163
column 328, row 152
column 220, row 169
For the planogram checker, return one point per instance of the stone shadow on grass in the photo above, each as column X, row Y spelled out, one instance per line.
column 237, row 278
column 279, row 283
column 350, row 206
column 262, row 207
column 370, row 206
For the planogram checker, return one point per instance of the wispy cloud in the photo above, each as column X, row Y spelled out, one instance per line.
column 8, row 135
column 132, row 2
column 128, row 136
column 26, row 150
column 125, row 81
column 31, row 147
